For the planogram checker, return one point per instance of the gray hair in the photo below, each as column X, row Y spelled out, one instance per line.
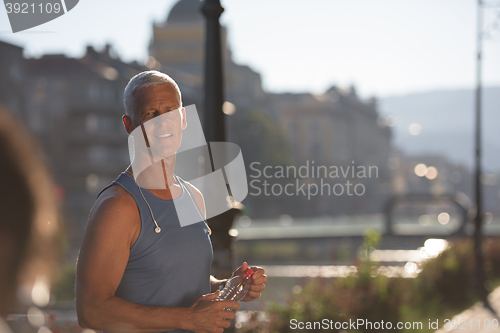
column 144, row 80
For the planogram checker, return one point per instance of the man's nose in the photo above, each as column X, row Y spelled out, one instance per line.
column 162, row 119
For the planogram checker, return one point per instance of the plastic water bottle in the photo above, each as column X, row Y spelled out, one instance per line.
column 236, row 288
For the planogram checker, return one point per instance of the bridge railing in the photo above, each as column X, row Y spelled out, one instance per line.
column 435, row 216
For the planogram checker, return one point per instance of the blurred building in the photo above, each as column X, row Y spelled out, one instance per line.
column 333, row 129
column 177, row 48
column 436, row 175
column 178, row 43
column 337, row 128
column 429, row 175
column 12, row 74
column 74, row 106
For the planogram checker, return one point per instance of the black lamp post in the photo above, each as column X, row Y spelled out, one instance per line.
column 215, row 131
column 478, row 220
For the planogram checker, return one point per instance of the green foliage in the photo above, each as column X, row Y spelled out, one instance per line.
column 370, row 241
column 261, row 139
column 443, row 288
column 64, row 284
column 449, row 279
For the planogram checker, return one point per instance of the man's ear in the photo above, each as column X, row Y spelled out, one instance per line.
column 127, row 123
column 183, row 120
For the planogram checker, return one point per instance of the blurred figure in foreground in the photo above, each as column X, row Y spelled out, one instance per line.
column 28, row 221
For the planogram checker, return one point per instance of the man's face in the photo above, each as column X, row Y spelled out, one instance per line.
column 158, row 110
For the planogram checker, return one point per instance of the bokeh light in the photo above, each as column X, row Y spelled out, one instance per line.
column 431, row 173
column 444, row 218
column 424, row 220
column 434, row 246
column 420, row 169
column 391, row 121
column 228, row 108
column 415, row 129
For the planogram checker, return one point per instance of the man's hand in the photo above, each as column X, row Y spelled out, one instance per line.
column 256, row 283
column 208, row 315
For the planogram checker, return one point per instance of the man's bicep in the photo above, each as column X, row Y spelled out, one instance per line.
column 105, row 249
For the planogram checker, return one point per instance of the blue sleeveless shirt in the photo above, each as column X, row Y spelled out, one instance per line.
column 170, row 268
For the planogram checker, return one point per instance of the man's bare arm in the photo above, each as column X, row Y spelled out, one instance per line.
column 113, row 227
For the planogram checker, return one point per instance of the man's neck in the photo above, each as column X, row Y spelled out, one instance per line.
column 159, row 179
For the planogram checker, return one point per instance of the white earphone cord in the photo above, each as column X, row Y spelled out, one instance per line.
column 158, row 229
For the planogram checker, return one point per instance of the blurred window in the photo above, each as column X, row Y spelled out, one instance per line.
column 98, row 155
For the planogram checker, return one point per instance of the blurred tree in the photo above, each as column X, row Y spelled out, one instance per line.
column 261, row 139
column 441, row 290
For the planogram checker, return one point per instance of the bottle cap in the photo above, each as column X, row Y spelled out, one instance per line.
column 248, row 272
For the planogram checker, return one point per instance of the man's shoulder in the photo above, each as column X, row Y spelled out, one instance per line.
column 114, row 192
column 115, row 197
column 114, row 209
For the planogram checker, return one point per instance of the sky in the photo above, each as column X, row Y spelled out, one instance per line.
column 382, row 47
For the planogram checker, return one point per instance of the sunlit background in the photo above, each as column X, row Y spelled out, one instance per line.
column 384, row 47
column 360, row 83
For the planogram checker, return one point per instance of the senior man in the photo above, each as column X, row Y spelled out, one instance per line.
column 139, row 270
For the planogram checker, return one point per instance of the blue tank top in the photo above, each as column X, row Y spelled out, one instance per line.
column 170, row 268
